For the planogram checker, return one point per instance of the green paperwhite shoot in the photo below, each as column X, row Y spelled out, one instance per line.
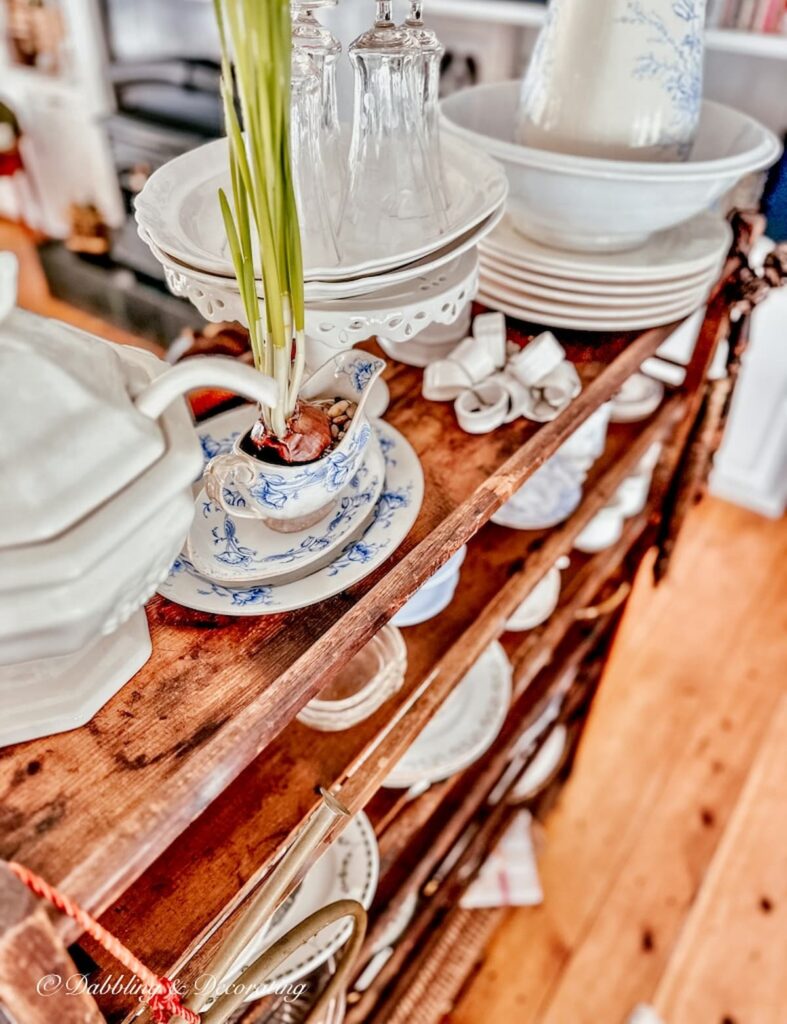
column 261, row 220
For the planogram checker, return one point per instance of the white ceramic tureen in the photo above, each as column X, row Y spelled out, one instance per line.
column 97, row 466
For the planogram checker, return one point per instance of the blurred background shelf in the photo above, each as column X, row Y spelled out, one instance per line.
column 525, row 14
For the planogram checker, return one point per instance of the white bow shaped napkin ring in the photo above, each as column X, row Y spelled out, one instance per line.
column 492, row 384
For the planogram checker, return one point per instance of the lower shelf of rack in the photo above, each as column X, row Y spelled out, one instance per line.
column 252, row 822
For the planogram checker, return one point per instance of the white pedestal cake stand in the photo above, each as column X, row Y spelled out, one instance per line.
column 396, row 314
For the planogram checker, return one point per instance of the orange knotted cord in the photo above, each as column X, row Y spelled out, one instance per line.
column 164, row 1001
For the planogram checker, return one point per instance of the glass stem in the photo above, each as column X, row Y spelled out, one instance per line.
column 384, row 12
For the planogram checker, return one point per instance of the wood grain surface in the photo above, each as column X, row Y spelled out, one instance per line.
column 206, row 874
column 91, row 808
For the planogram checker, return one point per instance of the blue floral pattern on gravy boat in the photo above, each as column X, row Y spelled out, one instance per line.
column 234, row 551
column 252, row 489
column 395, row 513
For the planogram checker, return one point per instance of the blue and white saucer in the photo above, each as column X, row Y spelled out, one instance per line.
column 229, row 549
column 394, row 514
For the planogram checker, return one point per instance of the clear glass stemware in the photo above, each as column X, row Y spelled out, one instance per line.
column 391, row 197
column 314, row 39
column 320, row 244
column 432, row 51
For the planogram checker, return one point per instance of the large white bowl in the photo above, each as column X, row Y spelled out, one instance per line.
column 588, row 204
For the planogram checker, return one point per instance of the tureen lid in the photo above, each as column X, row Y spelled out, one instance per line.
column 71, row 434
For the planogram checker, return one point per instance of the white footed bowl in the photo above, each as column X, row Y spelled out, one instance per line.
column 589, row 204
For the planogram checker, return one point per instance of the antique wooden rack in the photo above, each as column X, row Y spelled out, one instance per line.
column 162, row 814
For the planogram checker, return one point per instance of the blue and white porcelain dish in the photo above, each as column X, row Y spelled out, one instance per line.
column 242, row 551
column 279, row 495
column 395, row 512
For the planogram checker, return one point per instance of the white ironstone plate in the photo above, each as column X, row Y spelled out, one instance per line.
column 464, row 727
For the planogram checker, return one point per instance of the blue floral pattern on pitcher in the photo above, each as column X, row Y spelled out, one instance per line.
column 674, row 60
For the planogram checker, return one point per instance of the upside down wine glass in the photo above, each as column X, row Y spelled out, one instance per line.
column 392, row 200
column 320, row 244
column 319, row 43
column 428, row 85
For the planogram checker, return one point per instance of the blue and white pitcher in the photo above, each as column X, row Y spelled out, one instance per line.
column 618, row 79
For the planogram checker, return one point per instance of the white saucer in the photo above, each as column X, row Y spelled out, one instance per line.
column 229, row 549
column 688, row 248
column 465, row 726
column 348, row 869
column 395, row 513
column 543, row 766
column 638, row 398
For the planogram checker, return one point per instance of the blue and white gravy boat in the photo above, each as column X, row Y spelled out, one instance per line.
column 294, row 497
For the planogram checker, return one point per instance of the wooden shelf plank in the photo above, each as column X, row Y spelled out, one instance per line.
column 398, row 820
column 91, row 809
column 223, row 855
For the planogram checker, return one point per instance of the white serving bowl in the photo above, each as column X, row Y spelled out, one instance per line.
column 589, row 204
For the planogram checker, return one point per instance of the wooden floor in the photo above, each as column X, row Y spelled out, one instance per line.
column 665, row 863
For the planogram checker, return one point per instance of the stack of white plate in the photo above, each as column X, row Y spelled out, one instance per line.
column 179, row 218
column 663, row 280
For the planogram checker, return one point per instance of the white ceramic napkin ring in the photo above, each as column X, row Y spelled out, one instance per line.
column 561, row 385
column 475, row 357
column 518, row 394
column 490, row 329
column 483, row 408
column 444, row 380
column 537, row 359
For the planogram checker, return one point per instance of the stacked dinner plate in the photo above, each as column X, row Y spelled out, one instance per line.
column 179, row 218
column 464, row 727
column 665, row 279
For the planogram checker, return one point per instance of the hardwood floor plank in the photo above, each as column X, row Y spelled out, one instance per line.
column 730, row 961
column 672, row 737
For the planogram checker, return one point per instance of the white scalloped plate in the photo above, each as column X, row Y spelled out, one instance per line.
column 348, row 869
column 179, row 210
